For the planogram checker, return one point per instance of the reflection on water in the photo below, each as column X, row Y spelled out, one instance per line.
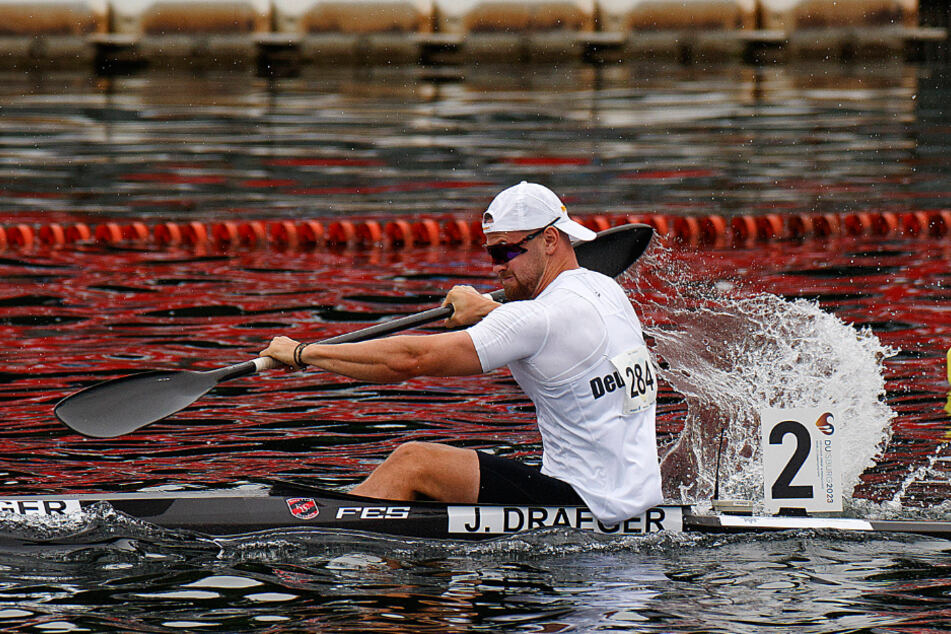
column 801, row 582
column 626, row 139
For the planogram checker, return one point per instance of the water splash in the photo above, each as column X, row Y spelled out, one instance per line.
column 732, row 352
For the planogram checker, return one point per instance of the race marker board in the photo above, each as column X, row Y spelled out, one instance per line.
column 801, row 465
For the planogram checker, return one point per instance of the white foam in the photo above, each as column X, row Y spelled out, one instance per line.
column 732, row 353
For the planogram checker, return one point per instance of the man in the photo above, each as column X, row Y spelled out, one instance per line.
column 572, row 342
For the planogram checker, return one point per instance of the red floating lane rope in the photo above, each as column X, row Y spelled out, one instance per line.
column 884, row 223
column 167, row 233
column 311, row 233
column 426, row 231
column 710, row 230
column 743, row 229
column 194, row 233
column 686, row 230
column 78, row 232
column 284, row 233
column 914, row 223
column 252, row 233
column 341, row 232
column 369, row 233
column 939, row 223
column 826, row 225
column 53, row 235
column 399, row 232
column 858, row 223
column 225, row 233
column 596, row 223
column 21, row 236
column 769, row 227
column 798, row 226
column 457, row 232
column 136, row 231
column 660, row 223
column 713, row 230
column 108, row 233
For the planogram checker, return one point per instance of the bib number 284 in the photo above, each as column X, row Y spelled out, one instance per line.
column 640, row 380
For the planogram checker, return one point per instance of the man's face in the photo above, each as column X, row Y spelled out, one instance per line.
column 520, row 275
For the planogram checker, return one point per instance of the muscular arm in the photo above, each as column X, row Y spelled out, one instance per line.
column 389, row 360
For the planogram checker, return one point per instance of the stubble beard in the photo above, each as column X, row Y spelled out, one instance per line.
column 516, row 289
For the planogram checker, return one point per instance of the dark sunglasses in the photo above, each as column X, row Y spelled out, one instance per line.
column 503, row 252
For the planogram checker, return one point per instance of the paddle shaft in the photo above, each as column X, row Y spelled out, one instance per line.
column 364, row 334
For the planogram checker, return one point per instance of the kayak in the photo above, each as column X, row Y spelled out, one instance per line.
column 281, row 506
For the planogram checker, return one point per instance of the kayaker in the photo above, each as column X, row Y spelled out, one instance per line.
column 573, row 343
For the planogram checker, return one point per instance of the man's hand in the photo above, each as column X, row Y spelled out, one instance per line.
column 468, row 306
column 281, row 349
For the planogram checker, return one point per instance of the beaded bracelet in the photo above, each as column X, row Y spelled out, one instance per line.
column 298, row 354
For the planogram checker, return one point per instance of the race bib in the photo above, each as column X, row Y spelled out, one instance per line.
column 640, row 380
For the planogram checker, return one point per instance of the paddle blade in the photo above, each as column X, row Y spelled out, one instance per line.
column 117, row 407
column 615, row 249
column 123, row 405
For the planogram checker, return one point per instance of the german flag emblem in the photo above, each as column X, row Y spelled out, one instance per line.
column 303, row 508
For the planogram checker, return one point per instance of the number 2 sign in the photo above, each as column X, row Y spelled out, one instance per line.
column 801, row 459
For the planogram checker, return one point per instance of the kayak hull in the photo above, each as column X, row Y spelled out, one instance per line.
column 230, row 512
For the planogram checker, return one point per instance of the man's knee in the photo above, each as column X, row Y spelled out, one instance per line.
column 411, row 452
column 427, row 460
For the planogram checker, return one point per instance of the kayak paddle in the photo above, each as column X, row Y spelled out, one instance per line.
column 120, row 406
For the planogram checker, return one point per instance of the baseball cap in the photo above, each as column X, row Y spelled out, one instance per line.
column 529, row 206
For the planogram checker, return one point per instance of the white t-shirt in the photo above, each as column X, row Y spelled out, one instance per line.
column 559, row 347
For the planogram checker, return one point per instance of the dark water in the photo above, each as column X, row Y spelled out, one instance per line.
column 394, row 143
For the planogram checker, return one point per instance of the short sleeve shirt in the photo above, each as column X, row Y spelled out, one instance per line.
column 559, row 347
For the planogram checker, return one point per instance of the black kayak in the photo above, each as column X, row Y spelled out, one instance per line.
column 283, row 506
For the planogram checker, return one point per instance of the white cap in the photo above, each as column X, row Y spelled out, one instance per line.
column 529, row 206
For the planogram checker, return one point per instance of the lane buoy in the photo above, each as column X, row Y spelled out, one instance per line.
column 52, row 235
column 426, row 231
column 108, row 233
column 21, row 236
column 341, row 232
column 369, row 233
column 457, row 232
column 252, row 233
column 769, row 227
column 284, row 233
column 225, row 233
column 399, row 232
column 311, row 233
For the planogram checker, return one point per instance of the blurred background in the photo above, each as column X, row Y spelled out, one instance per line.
column 280, row 36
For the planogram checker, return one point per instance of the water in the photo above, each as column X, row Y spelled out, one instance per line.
column 396, row 143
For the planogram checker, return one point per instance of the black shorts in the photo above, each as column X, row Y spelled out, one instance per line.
column 504, row 481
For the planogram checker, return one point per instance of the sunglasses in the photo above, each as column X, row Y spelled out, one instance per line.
column 503, row 252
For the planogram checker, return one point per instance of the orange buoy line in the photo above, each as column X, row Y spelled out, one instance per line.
column 711, row 230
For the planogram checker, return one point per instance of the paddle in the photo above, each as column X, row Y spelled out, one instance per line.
column 123, row 405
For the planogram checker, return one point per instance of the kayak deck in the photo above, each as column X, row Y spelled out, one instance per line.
column 230, row 512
